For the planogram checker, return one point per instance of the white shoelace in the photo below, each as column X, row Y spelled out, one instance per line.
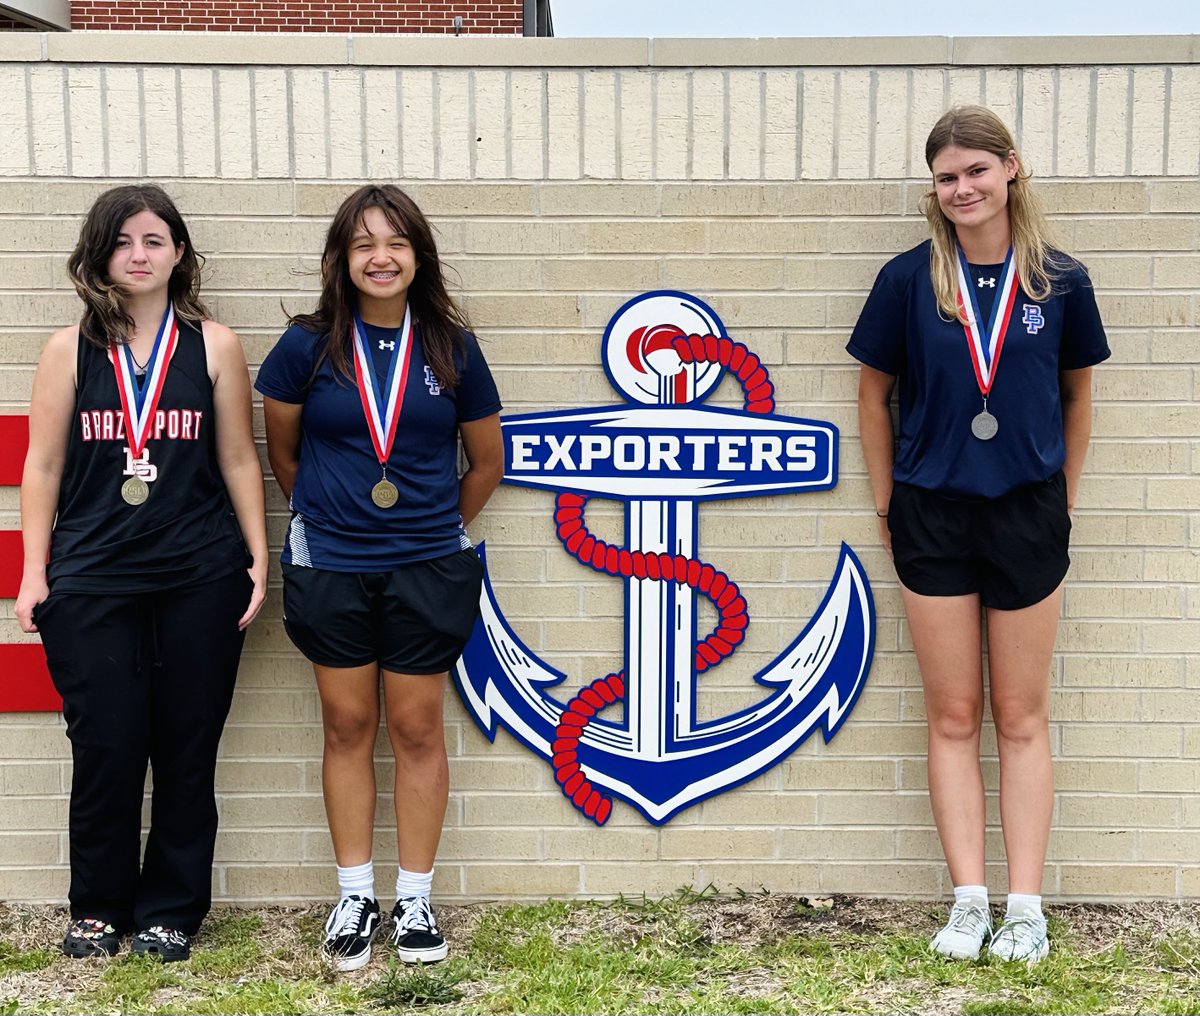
column 346, row 916
column 1019, row 937
column 416, row 915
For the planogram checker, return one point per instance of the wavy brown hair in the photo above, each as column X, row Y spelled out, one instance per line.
column 106, row 319
column 442, row 320
column 1039, row 264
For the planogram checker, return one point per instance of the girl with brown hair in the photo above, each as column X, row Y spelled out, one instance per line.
column 142, row 487
column 366, row 401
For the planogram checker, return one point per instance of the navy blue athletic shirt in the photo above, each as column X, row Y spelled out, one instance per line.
column 335, row 525
column 901, row 332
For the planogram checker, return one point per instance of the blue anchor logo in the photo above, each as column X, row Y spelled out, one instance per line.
column 662, row 453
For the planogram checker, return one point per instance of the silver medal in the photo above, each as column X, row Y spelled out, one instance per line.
column 984, row 426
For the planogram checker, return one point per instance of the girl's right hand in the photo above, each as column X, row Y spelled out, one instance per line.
column 33, row 591
column 885, row 533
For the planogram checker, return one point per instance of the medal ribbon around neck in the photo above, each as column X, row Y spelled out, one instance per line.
column 139, row 401
column 382, row 405
column 986, row 340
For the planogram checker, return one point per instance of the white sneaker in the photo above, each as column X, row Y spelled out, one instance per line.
column 970, row 925
column 1021, row 938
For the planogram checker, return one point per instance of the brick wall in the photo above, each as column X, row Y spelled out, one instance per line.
column 771, row 179
column 482, row 17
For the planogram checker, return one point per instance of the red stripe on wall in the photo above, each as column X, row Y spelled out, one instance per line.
column 11, row 562
column 14, row 439
column 25, row 685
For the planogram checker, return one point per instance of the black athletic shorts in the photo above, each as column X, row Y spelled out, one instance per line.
column 413, row 620
column 1011, row 550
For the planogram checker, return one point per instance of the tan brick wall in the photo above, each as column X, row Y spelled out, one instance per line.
column 772, row 179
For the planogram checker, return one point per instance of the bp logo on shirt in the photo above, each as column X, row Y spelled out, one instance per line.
column 635, row 733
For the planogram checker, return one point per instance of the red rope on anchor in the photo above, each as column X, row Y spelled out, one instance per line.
column 599, row 555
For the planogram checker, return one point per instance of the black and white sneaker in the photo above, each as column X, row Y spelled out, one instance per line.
column 167, row 944
column 415, row 932
column 349, row 932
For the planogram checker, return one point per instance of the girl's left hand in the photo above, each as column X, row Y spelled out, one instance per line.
column 258, row 575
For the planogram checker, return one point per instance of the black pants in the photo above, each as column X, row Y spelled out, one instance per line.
column 144, row 678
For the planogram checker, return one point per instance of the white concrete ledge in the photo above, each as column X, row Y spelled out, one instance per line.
column 306, row 49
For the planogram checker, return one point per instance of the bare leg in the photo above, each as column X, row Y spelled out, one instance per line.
column 350, row 716
column 946, row 636
column 1020, row 647
column 415, row 727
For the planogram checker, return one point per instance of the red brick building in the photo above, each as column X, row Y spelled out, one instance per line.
column 429, row 17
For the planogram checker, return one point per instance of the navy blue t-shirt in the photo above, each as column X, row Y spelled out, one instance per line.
column 901, row 332
column 336, row 526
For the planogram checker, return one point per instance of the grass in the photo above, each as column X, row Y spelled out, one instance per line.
column 690, row 952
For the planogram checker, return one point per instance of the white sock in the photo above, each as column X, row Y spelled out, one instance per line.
column 413, row 883
column 1024, row 905
column 975, row 893
column 357, row 880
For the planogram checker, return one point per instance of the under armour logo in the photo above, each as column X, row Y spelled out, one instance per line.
column 986, row 282
column 432, row 383
column 1033, row 320
column 384, row 344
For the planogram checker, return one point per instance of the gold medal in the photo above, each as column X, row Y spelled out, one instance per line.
column 385, row 494
column 135, row 490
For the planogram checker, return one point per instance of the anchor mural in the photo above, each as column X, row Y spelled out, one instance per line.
column 662, row 453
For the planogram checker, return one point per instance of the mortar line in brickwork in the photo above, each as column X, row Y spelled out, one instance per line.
column 252, row 92
column 70, row 155
column 399, row 87
column 363, row 160
column 654, row 127
column 291, row 124
column 618, row 172
column 836, row 126
column 1129, row 122
column 908, row 134
column 216, row 101
column 689, row 168
column 762, row 124
column 1093, row 101
column 1019, row 118
column 104, row 140
column 1166, row 133
column 1057, row 78
column 544, row 113
column 29, row 120
column 180, row 167
column 799, row 133
column 581, row 106
column 328, row 125
column 472, row 132
column 508, row 125
column 725, row 139
column 436, row 103
column 872, row 121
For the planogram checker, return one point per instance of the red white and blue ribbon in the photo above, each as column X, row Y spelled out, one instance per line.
column 985, row 340
column 382, row 404
column 140, row 400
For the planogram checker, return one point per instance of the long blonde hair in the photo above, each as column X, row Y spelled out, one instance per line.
column 1039, row 264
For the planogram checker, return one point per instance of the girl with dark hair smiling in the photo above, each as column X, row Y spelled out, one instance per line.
column 142, row 487
column 366, row 400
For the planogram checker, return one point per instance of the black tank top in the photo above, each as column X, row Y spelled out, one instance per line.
column 185, row 532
